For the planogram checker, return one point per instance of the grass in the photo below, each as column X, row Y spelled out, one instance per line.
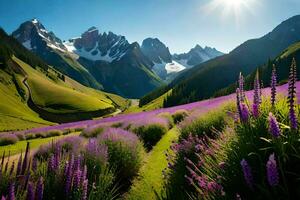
column 155, row 104
column 34, row 143
column 58, row 98
column 8, row 123
column 14, row 113
column 291, row 49
column 150, row 178
column 49, row 92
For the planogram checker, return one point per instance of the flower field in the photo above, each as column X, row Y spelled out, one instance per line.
column 241, row 146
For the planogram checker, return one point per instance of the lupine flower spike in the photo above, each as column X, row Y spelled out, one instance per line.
column 244, row 113
column 292, row 95
column 273, row 126
column 256, row 96
column 241, row 87
column 25, row 160
column 273, row 86
column 11, row 191
column 30, row 191
column 272, row 171
column 238, row 102
column 247, row 173
column 39, row 191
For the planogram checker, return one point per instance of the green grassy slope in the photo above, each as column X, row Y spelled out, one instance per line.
column 59, row 96
column 154, row 104
column 14, row 113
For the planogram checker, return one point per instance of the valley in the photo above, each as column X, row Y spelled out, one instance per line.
column 137, row 109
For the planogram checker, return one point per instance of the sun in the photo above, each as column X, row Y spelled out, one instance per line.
column 230, row 9
column 234, row 3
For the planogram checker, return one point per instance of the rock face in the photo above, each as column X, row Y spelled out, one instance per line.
column 161, row 58
column 196, row 56
column 97, row 46
column 156, row 51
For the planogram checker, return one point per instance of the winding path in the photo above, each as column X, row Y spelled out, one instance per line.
column 150, row 179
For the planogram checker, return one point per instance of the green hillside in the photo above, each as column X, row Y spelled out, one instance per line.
column 30, row 94
column 282, row 63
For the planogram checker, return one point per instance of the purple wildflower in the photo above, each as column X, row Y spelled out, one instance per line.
column 255, row 110
column 84, row 190
column 84, row 174
column 51, row 164
column 272, row 172
column 30, row 191
column 25, row 160
column 273, row 126
column 241, row 87
column 68, row 183
column 19, row 166
column 238, row 101
column 39, row 189
column 11, row 191
column 244, row 113
column 292, row 95
column 3, row 198
column 256, row 96
column 97, row 151
column 273, row 86
column 247, row 173
column 34, row 164
column 12, row 168
column 77, row 179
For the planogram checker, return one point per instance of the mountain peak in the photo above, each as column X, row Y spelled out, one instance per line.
column 93, row 28
column 198, row 47
column 33, row 35
column 35, row 21
column 197, row 55
column 156, row 51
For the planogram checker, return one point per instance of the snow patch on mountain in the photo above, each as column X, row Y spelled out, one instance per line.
column 95, row 54
column 27, row 44
column 172, row 67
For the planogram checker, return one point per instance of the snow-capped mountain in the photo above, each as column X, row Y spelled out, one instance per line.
column 32, row 34
column 95, row 46
column 159, row 54
column 196, row 56
column 35, row 37
column 94, row 59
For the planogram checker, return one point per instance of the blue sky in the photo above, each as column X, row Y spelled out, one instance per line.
column 180, row 24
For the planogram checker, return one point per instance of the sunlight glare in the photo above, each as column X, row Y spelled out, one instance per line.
column 238, row 9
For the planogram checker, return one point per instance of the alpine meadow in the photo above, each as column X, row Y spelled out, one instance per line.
column 150, row 100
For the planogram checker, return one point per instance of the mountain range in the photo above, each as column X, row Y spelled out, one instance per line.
column 203, row 80
column 107, row 61
column 166, row 65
